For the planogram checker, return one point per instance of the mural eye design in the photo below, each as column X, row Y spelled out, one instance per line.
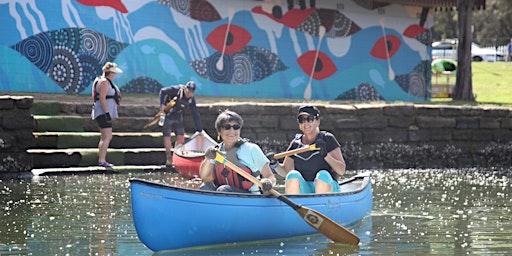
column 95, row 43
column 71, row 57
column 418, row 32
column 414, row 83
column 364, row 92
column 249, row 65
column 335, row 23
column 386, row 47
column 323, row 68
column 142, row 84
column 413, row 30
column 237, row 38
column 37, row 49
column 66, row 69
column 308, row 21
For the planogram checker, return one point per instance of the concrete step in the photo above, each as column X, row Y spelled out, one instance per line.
column 62, row 140
column 75, row 123
column 98, row 169
column 82, row 157
column 58, row 123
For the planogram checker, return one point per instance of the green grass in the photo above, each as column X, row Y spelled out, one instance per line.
column 492, row 82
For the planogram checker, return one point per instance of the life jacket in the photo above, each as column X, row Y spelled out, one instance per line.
column 181, row 101
column 116, row 96
column 226, row 176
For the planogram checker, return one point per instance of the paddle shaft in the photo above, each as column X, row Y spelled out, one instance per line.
column 157, row 116
column 296, row 151
column 315, row 219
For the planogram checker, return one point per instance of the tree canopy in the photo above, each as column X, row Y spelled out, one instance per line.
column 491, row 26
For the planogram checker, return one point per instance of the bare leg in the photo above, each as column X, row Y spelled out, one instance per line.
column 168, row 144
column 168, row 150
column 180, row 139
column 322, row 187
column 106, row 137
column 292, row 186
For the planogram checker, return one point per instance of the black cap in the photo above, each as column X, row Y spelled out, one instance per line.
column 191, row 85
column 309, row 110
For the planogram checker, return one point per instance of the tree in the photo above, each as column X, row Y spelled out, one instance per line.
column 463, row 89
column 445, row 24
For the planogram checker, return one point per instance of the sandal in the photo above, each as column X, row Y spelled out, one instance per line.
column 105, row 164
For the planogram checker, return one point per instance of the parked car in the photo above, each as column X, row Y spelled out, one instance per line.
column 447, row 49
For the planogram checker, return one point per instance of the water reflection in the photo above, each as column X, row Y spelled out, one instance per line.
column 416, row 212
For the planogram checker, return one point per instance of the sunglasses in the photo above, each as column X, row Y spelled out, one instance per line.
column 308, row 119
column 228, row 127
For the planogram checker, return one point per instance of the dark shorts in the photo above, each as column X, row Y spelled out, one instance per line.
column 102, row 122
column 173, row 124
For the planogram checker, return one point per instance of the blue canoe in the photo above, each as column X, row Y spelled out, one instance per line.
column 168, row 217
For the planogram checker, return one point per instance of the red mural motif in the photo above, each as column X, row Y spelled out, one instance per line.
column 293, row 18
column 414, row 30
column 335, row 23
column 324, row 66
column 237, row 38
column 116, row 4
column 385, row 47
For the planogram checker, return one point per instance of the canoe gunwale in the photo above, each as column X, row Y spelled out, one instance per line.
column 192, row 156
column 364, row 177
column 179, row 152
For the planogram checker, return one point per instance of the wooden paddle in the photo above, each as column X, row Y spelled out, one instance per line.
column 296, row 151
column 157, row 116
column 315, row 219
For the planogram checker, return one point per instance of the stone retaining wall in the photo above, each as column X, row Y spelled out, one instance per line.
column 372, row 136
column 387, row 135
column 16, row 126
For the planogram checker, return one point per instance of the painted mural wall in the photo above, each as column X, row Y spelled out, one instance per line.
column 324, row 50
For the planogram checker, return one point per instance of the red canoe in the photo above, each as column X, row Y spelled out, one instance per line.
column 188, row 156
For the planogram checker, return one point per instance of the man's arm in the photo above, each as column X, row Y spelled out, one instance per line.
column 165, row 94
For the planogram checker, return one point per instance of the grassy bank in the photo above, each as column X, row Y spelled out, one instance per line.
column 492, row 82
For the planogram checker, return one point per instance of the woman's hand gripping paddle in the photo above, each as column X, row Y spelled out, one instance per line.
column 296, row 151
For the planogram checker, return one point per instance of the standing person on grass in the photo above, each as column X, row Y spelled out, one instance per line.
column 106, row 97
column 184, row 97
column 314, row 171
column 509, row 51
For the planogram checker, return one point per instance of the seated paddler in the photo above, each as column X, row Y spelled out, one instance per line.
column 241, row 152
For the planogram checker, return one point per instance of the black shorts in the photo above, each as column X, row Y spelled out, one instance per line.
column 102, row 122
column 173, row 125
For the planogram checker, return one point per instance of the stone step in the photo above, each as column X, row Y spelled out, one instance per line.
column 53, row 108
column 58, row 123
column 62, row 140
column 82, row 157
column 98, row 169
column 74, row 123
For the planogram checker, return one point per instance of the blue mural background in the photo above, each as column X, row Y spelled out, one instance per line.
column 60, row 46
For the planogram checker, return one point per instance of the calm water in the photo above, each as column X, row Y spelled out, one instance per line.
column 416, row 212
